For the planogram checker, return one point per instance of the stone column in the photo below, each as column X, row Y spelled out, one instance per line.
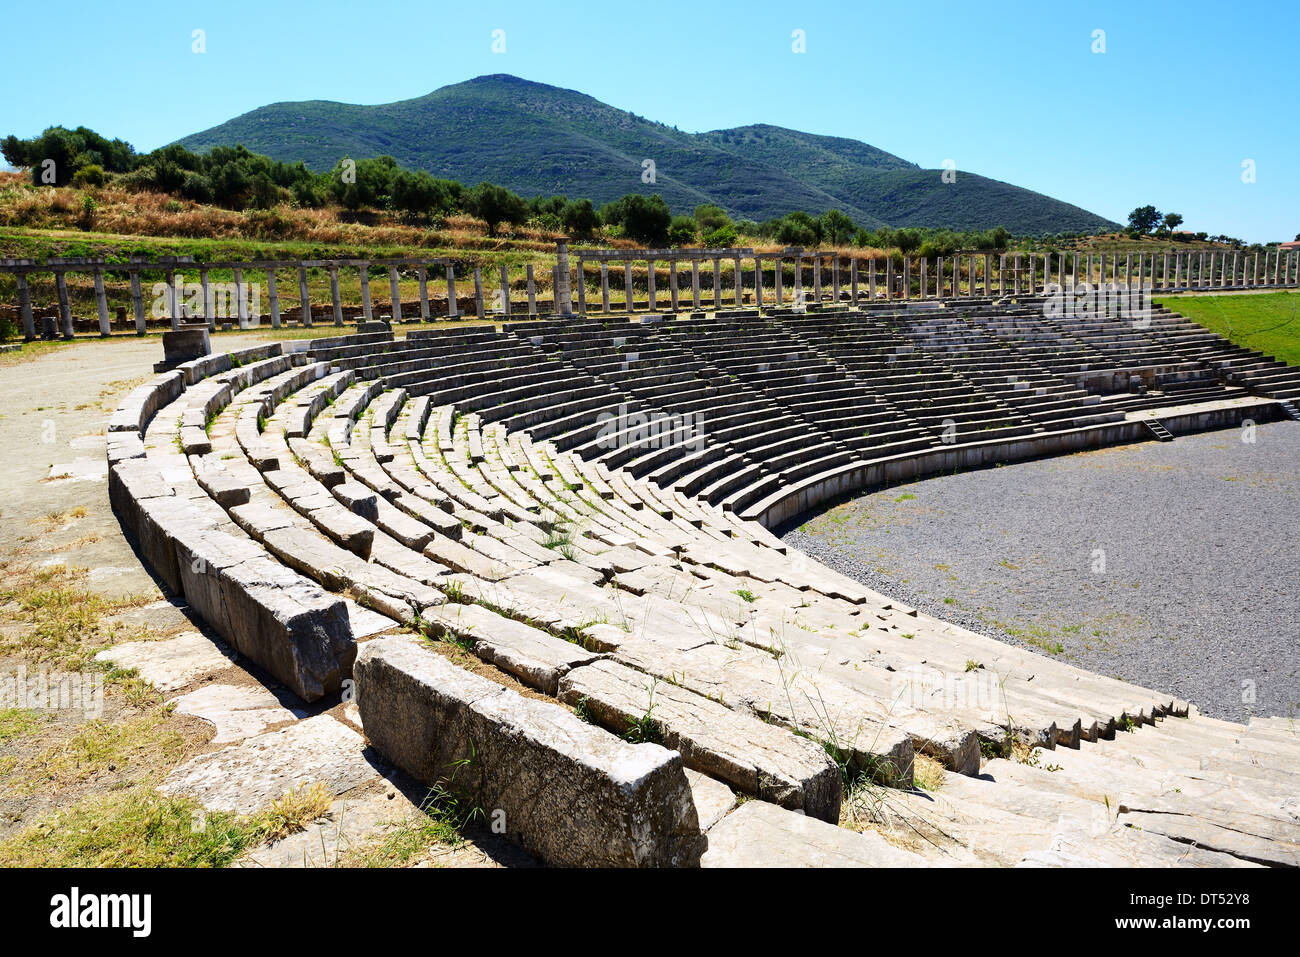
column 505, row 291
column 1178, row 269
column 628, row 294
column 304, row 294
column 695, row 285
column 1235, row 254
column 740, row 285
column 779, row 281
column 563, row 297
column 25, row 306
column 925, row 281
column 652, row 297
column 907, row 277
column 336, row 300
column 758, row 282
column 241, row 301
column 835, row 277
column 137, row 302
column 453, row 310
column 395, row 294
column 973, row 259
column 817, row 278
column 532, row 291
column 889, row 278
column 478, row 292
column 101, row 303
column 173, row 299
column 205, row 289
column 604, row 286
column 853, row 278
column 717, row 283
column 1015, row 278
column 422, row 275
column 65, row 308
column 1002, row 274
column 871, row 277
column 988, row 273
column 1211, row 273
column 582, row 286
column 273, row 296
column 672, row 282
column 1128, row 271
column 364, row 271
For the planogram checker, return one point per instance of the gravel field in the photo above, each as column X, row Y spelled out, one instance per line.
column 1172, row 565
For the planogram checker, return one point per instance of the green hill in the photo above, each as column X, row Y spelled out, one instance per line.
column 539, row 139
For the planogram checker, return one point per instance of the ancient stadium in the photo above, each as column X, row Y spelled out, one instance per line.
column 530, row 565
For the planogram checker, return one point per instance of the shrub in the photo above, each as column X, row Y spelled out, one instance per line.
column 580, row 218
column 681, row 231
column 722, row 236
column 89, row 175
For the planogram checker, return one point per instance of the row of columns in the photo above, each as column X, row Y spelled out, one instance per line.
column 1012, row 274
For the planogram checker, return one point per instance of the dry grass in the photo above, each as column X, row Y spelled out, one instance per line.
column 52, row 616
column 295, row 810
column 128, row 213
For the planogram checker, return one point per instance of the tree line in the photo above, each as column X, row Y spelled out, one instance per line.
column 233, row 177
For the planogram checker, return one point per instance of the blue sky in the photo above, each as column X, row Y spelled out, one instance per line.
column 1184, row 93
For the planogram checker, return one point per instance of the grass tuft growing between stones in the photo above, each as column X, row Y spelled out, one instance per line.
column 440, row 823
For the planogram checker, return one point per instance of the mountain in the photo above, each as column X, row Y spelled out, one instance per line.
column 539, row 139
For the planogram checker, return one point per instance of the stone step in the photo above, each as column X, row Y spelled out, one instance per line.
column 759, row 834
column 571, row 794
column 754, row 758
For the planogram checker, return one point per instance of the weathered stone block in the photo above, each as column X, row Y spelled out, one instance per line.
column 571, row 793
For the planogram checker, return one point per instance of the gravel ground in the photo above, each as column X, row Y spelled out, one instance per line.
column 1172, row 565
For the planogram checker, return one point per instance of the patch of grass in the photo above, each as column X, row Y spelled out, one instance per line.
column 103, row 747
column 927, row 773
column 16, row 722
column 745, row 595
column 1268, row 322
column 439, row 823
column 905, row 497
column 135, row 827
column 293, row 811
column 60, row 618
column 138, row 827
column 644, row 730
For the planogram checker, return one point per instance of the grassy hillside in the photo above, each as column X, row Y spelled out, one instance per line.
column 538, row 139
column 1268, row 322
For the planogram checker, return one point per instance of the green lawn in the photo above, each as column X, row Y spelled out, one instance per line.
column 1268, row 322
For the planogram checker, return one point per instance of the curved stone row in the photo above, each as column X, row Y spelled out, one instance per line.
column 456, row 482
